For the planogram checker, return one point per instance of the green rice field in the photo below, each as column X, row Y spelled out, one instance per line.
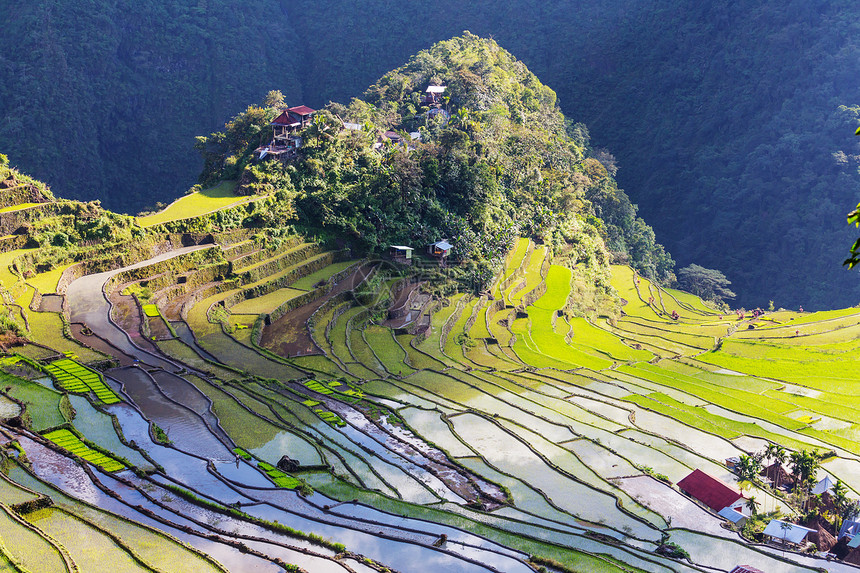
column 548, row 432
column 75, row 377
column 67, row 440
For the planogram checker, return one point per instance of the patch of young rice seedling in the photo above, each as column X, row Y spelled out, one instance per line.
column 77, row 378
column 279, row 478
column 68, row 441
column 151, row 310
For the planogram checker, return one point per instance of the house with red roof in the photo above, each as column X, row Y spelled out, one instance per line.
column 286, row 125
column 710, row 491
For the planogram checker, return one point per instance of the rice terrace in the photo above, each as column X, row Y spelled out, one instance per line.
column 207, row 388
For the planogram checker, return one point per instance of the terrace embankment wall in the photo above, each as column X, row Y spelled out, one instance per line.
column 449, row 323
column 11, row 221
column 301, row 300
column 281, row 282
column 280, row 263
column 533, row 295
column 246, row 254
column 12, row 242
column 118, row 256
column 164, row 273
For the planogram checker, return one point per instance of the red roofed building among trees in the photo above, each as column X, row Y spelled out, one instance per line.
column 286, row 125
column 710, row 491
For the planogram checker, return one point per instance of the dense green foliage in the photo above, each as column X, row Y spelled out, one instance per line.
column 506, row 163
column 728, row 120
column 709, row 284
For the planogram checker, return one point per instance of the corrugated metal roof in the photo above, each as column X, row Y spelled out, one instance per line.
column 302, row 110
column 791, row 532
column 284, row 119
column 746, row 569
column 732, row 515
column 849, row 527
column 444, row 245
column 435, row 89
column 402, row 248
column 824, row 485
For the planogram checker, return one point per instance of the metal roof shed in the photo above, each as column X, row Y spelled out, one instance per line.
column 790, row 532
column 735, row 517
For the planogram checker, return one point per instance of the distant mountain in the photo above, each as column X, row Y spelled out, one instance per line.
column 725, row 119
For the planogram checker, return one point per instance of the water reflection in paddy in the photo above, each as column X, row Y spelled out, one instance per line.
column 89, row 306
column 183, row 426
column 180, row 390
column 232, row 558
column 399, row 555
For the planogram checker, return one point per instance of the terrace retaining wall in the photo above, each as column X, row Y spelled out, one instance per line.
column 286, row 260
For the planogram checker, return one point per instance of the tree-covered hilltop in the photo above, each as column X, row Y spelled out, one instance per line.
column 494, row 160
column 725, row 117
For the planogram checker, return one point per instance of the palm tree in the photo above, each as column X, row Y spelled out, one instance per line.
column 752, row 504
column 803, row 467
column 779, row 455
column 748, row 467
column 840, row 500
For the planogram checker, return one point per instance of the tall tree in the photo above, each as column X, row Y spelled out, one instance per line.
column 709, row 284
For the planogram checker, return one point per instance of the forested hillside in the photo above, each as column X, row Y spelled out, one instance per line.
column 726, row 120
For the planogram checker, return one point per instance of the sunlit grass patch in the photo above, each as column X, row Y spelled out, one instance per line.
column 266, row 303
column 19, row 207
column 47, row 282
column 197, row 204
column 324, row 274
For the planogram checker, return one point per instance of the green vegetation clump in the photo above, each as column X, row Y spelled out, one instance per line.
column 496, row 161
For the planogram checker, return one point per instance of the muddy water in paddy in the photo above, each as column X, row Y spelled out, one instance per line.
column 51, row 303
column 89, row 306
column 289, row 335
column 185, row 335
column 100, row 344
column 8, row 408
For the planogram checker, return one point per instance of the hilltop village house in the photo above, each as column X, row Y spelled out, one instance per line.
column 401, row 254
column 433, row 95
column 285, row 128
column 440, row 251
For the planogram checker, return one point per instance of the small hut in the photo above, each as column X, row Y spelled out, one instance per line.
column 440, row 249
column 433, row 95
column 746, row 569
column 285, row 128
column 786, row 532
column 733, row 516
column 400, row 254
